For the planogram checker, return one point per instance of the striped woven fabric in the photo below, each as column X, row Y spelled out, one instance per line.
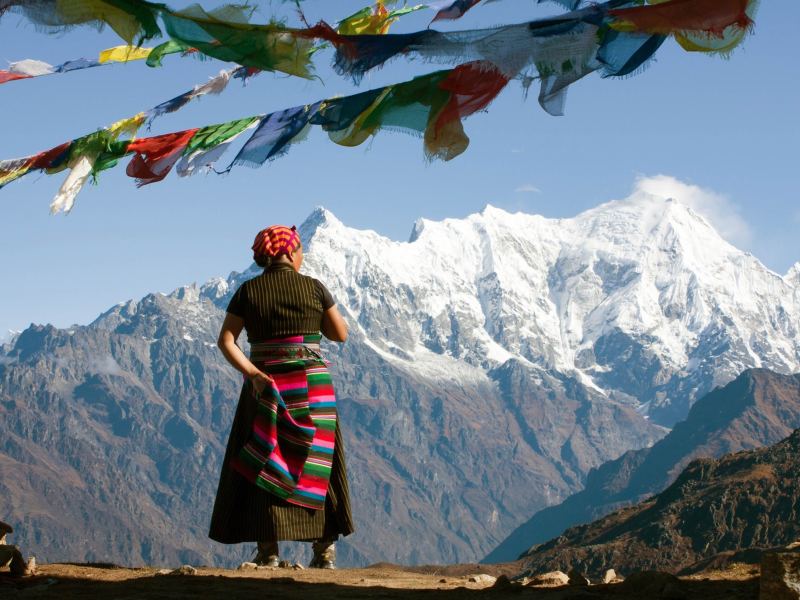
column 290, row 451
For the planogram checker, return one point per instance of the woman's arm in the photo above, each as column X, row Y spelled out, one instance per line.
column 231, row 328
column 333, row 325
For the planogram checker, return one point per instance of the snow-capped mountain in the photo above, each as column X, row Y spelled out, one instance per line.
column 641, row 299
column 493, row 361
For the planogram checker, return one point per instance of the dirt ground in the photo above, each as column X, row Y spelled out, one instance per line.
column 63, row 581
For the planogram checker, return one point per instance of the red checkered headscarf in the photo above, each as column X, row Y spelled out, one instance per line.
column 274, row 241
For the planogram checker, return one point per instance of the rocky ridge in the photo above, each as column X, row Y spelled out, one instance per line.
column 744, row 501
column 757, row 409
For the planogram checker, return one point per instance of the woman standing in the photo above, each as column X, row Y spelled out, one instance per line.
column 283, row 476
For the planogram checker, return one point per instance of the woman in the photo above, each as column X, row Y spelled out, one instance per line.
column 283, row 476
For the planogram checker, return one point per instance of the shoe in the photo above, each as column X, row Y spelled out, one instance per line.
column 324, row 555
column 267, row 554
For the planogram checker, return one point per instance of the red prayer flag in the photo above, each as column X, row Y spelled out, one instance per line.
column 155, row 156
column 711, row 16
column 472, row 87
column 6, row 76
column 46, row 159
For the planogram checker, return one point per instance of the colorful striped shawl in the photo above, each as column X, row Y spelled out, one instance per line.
column 290, row 451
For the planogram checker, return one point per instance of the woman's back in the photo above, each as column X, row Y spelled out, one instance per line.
column 280, row 302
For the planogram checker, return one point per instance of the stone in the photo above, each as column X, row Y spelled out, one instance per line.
column 502, row 581
column 440, row 581
column 298, row 567
column 610, row 576
column 483, row 578
column 780, row 576
column 577, row 577
column 794, row 546
column 653, row 584
column 284, row 564
column 30, row 568
column 247, row 566
column 184, row 570
column 551, row 578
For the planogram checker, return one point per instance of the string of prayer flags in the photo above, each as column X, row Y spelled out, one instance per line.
column 25, row 69
column 432, row 105
column 224, row 33
column 615, row 38
column 510, row 46
column 215, row 85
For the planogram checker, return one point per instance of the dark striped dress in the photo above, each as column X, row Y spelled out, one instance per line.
column 280, row 302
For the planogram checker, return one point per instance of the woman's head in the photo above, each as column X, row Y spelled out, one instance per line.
column 277, row 241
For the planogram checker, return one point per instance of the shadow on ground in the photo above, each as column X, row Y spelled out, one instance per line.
column 361, row 584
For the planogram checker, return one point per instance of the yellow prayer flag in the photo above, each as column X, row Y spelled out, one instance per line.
column 124, row 54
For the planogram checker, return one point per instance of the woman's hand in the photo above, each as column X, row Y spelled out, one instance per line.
column 231, row 328
column 260, row 381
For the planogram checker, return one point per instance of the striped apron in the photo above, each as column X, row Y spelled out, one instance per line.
column 290, row 450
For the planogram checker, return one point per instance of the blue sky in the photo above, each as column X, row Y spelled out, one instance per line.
column 730, row 127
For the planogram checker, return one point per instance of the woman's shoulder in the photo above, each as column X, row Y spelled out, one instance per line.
column 242, row 287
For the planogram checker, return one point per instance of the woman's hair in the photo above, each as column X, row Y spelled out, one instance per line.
column 262, row 260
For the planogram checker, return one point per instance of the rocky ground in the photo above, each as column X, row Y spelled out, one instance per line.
column 738, row 582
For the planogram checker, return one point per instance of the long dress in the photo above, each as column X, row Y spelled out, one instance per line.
column 279, row 303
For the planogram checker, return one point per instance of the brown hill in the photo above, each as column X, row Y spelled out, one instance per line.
column 757, row 409
column 747, row 500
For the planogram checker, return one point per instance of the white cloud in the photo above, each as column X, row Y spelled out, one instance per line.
column 717, row 208
column 103, row 365
column 528, row 188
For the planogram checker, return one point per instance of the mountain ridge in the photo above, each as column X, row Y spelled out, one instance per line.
column 758, row 408
column 458, row 417
column 745, row 501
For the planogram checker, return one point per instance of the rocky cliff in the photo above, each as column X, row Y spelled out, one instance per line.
column 757, row 409
column 746, row 500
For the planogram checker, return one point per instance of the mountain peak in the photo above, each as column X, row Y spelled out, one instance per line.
column 793, row 274
column 416, row 230
column 319, row 217
column 489, row 210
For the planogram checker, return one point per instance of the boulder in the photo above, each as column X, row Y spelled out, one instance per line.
column 483, row 579
column 503, row 581
column 551, row 578
column 610, row 576
column 577, row 577
column 184, row 570
column 780, row 576
column 794, row 546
